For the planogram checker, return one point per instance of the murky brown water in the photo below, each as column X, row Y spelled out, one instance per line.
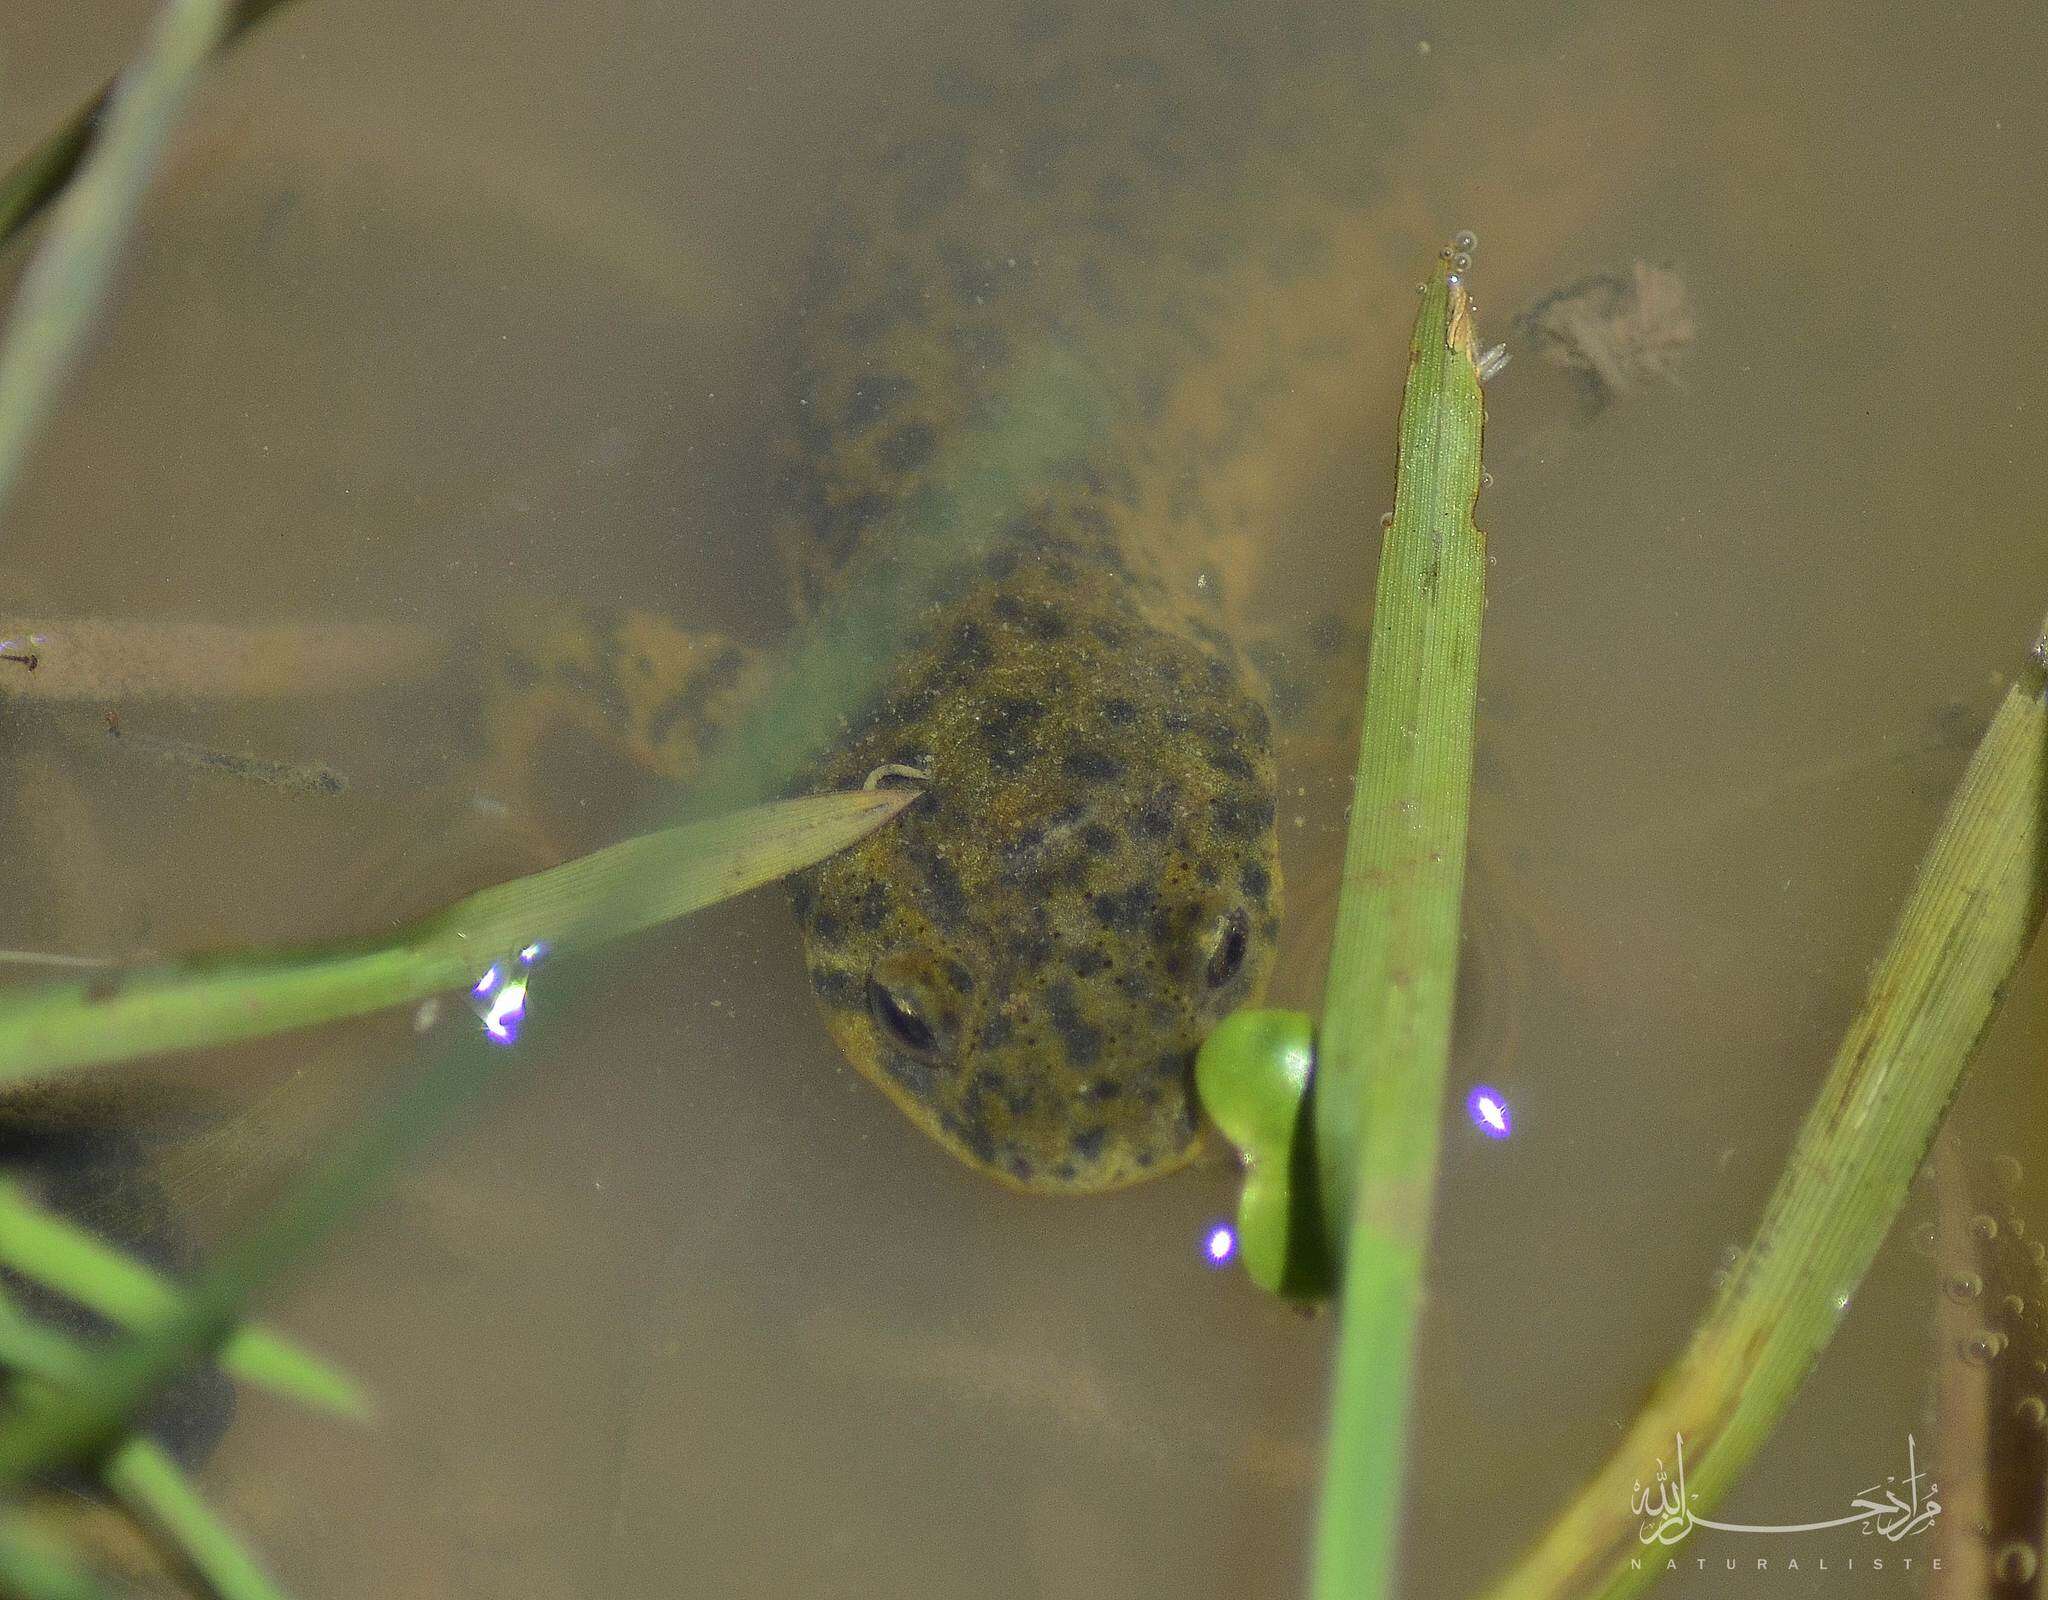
column 433, row 314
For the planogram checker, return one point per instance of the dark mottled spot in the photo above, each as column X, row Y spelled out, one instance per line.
column 837, row 987
column 934, row 176
column 1087, row 963
column 1155, row 818
column 982, row 345
column 980, row 1142
column 908, row 448
column 803, row 894
column 1033, row 161
column 997, row 1031
column 919, row 1077
column 1087, row 1144
column 969, row 649
column 1240, row 816
column 1042, row 619
column 1098, row 839
column 1255, row 879
column 1097, row 1090
column 521, row 673
column 1081, row 1039
column 827, row 929
column 844, row 524
column 1119, row 712
column 1090, row 765
column 948, row 896
column 958, row 978
column 1000, row 563
column 1020, row 1166
column 874, row 907
column 1231, row 762
column 1125, row 910
column 874, row 397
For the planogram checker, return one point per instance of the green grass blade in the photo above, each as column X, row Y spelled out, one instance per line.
column 1975, row 909
column 1384, row 1041
column 75, row 1423
column 613, row 892
column 60, row 1255
column 91, row 221
column 34, row 181
column 155, row 1489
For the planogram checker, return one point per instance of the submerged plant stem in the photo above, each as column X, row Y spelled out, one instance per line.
column 184, row 1005
column 1975, row 908
column 61, row 291
column 1384, row 1041
column 34, row 181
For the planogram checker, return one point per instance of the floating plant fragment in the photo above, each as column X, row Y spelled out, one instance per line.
column 1252, row 1074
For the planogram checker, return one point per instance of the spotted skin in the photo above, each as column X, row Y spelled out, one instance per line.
column 1027, row 960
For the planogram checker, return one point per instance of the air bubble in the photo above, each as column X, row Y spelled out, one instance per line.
column 2037, row 1252
column 1982, row 1348
column 2032, row 1410
column 1461, row 262
column 1984, row 1226
column 2013, row 1306
column 1963, row 1286
column 2008, row 1170
column 1386, row 519
column 1466, row 240
column 2015, row 1562
column 1924, row 1239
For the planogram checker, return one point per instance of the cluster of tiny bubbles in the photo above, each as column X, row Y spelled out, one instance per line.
column 2015, row 1562
column 1219, row 1244
column 1962, row 1285
column 1983, row 1347
column 2032, row 1410
column 499, row 996
column 1488, row 1109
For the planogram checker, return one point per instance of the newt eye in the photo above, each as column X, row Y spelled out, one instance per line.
column 902, row 1019
column 1227, row 945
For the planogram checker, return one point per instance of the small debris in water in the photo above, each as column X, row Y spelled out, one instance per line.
column 293, row 777
column 1613, row 332
column 896, row 769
